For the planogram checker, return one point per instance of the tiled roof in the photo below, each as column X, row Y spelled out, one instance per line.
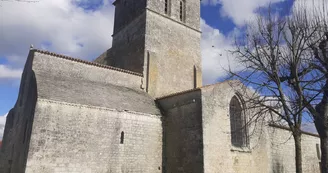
column 86, row 62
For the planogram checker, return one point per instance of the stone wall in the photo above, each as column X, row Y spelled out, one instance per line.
column 175, row 43
column 77, row 138
column 271, row 149
column 192, row 8
column 46, row 65
column 128, row 47
column 219, row 154
column 183, row 146
column 15, row 146
column 81, row 111
column 283, row 154
column 126, row 11
column 177, row 50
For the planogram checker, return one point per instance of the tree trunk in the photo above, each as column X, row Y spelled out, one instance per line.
column 324, row 154
column 298, row 152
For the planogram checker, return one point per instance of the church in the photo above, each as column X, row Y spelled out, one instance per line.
column 140, row 107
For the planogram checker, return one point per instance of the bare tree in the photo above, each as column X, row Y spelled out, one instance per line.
column 285, row 59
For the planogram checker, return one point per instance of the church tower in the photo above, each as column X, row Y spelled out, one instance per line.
column 159, row 39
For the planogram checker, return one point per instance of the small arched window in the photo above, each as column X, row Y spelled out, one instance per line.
column 122, row 138
column 182, row 10
column 239, row 137
column 167, row 6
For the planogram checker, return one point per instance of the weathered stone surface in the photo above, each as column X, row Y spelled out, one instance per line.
column 282, row 155
column 78, row 112
column 16, row 139
column 78, row 138
column 183, row 133
column 175, row 44
column 77, row 116
column 177, row 49
column 271, row 149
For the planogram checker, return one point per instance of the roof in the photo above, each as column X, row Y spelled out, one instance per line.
column 86, row 62
column 95, row 94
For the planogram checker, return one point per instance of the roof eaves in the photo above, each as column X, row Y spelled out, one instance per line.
column 86, row 62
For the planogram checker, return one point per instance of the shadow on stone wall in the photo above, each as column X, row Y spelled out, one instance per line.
column 278, row 167
column 18, row 128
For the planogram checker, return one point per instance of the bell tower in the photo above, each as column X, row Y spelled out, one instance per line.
column 159, row 39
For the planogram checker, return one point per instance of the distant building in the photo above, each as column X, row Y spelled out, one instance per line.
column 141, row 107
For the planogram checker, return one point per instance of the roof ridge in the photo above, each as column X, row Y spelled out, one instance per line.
column 87, row 62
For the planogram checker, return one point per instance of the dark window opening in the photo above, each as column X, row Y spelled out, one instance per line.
column 239, row 137
column 122, row 138
column 182, row 10
column 318, row 151
column 166, row 7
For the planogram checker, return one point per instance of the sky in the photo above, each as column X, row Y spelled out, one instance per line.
column 83, row 28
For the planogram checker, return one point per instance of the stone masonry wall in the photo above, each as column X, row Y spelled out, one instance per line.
column 219, row 154
column 84, row 139
column 283, row 154
column 177, row 50
column 19, row 123
column 192, row 11
column 183, row 146
column 48, row 65
column 128, row 47
column 271, row 149
column 126, row 11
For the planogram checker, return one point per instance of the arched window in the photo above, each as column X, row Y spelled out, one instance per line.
column 239, row 137
column 182, row 10
column 167, row 6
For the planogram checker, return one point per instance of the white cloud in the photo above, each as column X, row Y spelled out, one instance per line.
column 9, row 73
column 240, row 11
column 58, row 25
column 215, row 56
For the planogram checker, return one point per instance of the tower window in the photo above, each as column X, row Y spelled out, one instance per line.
column 239, row 137
column 182, row 10
column 167, row 6
column 122, row 138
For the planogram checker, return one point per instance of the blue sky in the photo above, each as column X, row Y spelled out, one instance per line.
column 83, row 28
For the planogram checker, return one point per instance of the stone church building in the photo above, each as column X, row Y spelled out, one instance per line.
column 141, row 107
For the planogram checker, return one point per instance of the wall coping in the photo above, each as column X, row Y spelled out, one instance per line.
column 288, row 129
column 190, row 90
column 86, row 62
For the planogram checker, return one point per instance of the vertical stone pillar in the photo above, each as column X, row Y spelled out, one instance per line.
column 197, row 77
column 152, row 73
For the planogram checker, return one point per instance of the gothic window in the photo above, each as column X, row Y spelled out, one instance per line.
column 182, row 10
column 239, row 137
